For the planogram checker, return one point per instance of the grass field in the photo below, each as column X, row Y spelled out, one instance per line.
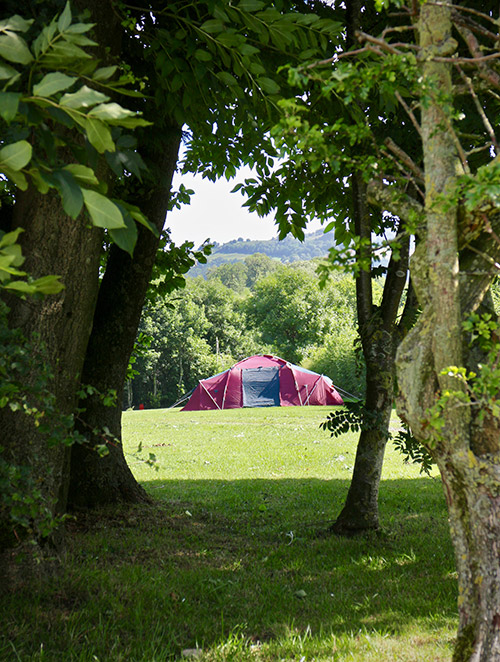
column 232, row 557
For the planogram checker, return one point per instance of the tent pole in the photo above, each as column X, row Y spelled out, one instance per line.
column 225, row 389
column 296, row 385
column 209, row 395
column 313, row 389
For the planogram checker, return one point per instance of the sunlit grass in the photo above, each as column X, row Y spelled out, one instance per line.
column 232, row 556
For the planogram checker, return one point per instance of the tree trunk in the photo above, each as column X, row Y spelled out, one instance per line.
column 466, row 447
column 58, row 326
column 380, row 336
column 475, row 532
column 360, row 511
column 95, row 480
column 379, row 339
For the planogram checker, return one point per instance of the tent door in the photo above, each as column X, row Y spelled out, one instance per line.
column 261, row 387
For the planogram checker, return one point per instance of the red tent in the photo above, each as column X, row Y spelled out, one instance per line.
column 263, row 381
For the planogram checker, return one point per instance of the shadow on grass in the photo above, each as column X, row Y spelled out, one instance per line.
column 211, row 557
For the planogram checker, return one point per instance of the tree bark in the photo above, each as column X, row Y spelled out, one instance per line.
column 58, row 326
column 380, row 336
column 467, row 447
column 360, row 511
column 94, row 480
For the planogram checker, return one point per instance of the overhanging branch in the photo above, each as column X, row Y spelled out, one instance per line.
column 392, row 199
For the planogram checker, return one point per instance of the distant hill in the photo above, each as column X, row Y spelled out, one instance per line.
column 288, row 250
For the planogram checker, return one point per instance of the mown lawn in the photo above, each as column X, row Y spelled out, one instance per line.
column 232, row 557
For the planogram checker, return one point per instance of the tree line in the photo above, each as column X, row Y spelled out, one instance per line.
column 254, row 306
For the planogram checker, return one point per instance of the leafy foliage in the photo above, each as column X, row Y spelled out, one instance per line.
column 289, row 310
column 194, row 332
column 476, row 389
column 412, row 450
column 234, row 52
column 354, row 417
column 55, row 122
column 12, row 278
column 54, row 126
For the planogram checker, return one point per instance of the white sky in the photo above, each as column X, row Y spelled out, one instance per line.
column 217, row 214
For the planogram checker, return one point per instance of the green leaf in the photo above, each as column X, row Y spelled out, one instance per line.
column 99, row 135
column 20, row 286
column 7, row 272
column 103, row 212
column 9, row 263
column 82, row 174
column 79, row 28
column 131, row 93
column 104, row 73
column 250, row 5
column 38, row 180
column 17, row 178
column 229, row 39
column 16, row 155
column 10, row 238
column 6, row 71
column 125, row 238
column 268, row 85
column 9, row 103
column 211, row 26
column 202, row 56
column 110, row 111
column 64, row 19
column 132, row 161
column 123, row 160
column 85, row 97
column 248, row 49
column 12, row 255
column 62, row 53
column 15, row 23
column 138, row 216
column 227, row 78
column 14, row 49
column 80, row 39
column 52, row 83
column 48, row 284
column 130, row 122
column 71, row 193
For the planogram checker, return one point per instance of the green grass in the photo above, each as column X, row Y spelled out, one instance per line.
column 232, row 556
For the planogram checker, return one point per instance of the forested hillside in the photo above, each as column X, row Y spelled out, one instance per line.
column 289, row 249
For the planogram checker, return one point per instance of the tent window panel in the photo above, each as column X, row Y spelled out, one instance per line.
column 261, row 387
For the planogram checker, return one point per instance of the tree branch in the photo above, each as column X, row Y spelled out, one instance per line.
column 409, row 112
column 395, row 281
column 479, row 108
column 362, row 226
column 410, row 310
column 381, row 43
column 391, row 199
column 470, row 24
column 464, row 9
column 480, row 262
column 405, row 173
column 475, row 50
column 405, row 158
